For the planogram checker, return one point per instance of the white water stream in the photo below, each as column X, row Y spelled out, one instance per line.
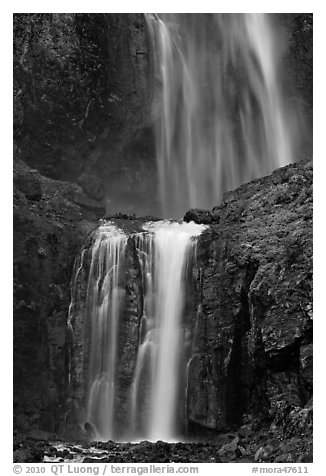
column 165, row 250
column 104, row 300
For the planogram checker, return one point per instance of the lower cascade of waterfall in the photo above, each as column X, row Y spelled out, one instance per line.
column 103, row 305
column 165, row 253
column 153, row 399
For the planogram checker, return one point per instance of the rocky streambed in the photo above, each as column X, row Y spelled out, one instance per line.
column 288, row 439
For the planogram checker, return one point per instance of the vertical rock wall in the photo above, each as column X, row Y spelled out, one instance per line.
column 255, row 301
column 51, row 221
column 82, row 96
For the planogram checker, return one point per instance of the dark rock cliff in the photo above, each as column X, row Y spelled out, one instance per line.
column 254, row 344
column 82, row 94
column 51, row 221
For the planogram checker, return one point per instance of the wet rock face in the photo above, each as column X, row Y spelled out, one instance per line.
column 255, row 295
column 49, row 228
column 82, row 93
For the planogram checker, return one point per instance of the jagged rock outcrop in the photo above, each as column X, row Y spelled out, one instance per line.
column 254, row 351
column 199, row 216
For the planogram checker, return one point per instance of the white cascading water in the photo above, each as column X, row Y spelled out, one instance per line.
column 221, row 118
column 78, row 266
column 104, row 300
column 143, row 374
column 164, row 251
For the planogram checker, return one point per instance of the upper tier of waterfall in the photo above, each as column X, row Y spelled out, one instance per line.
column 221, row 118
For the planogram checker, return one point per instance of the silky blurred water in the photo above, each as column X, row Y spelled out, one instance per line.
column 104, row 300
column 165, row 250
column 221, row 118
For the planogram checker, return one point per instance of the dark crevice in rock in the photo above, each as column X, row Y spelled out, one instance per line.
column 284, row 359
column 140, row 292
column 237, row 392
column 259, row 403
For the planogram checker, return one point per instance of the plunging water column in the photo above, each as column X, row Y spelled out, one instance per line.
column 221, row 118
column 166, row 250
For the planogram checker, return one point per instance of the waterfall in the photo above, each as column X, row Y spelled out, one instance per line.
column 221, row 118
column 104, row 300
column 142, row 397
column 165, row 250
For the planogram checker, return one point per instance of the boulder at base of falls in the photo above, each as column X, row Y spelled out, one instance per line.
column 199, row 216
